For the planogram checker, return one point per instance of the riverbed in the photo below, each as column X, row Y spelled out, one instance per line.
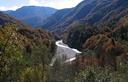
column 63, row 51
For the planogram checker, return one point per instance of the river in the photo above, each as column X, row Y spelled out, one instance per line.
column 63, row 51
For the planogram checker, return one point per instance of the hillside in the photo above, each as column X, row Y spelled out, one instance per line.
column 5, row 18
column 55, row 18
column 32, row 15
column 23, row 49
column 94, row 12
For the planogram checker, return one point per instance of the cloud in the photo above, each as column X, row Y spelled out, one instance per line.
column 65, row 3
column 59, row 4
column 34, row 2
column 3, row 8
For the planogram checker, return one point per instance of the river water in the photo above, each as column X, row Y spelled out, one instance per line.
column 63, row 51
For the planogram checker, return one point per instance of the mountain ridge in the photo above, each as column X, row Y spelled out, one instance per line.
column 93, row 12
column 5, row 19
column 32, row 15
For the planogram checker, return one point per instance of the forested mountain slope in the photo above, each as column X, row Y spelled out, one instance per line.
column 93, row 12
column 23, row 51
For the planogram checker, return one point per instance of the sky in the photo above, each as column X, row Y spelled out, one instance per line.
column 58, row 4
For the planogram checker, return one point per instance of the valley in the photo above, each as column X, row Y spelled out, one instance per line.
column 84, row 43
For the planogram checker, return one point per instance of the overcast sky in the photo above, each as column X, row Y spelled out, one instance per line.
column 58, row 4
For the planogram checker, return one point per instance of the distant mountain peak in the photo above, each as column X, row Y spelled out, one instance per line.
column 32, row 15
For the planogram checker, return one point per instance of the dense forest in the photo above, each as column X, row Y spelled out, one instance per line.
column 25, row 55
